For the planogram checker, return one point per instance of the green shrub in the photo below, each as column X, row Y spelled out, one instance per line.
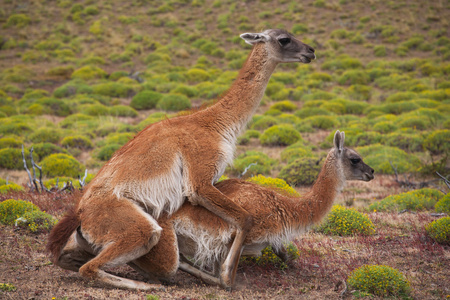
column 61, row 165
column 36, row 221
column 11, row 158
column 277, row 184
column 18, row 20
column 347, row 221
column 401, row 96
column 75, row 120
column 380, row 51
column 12, row 209
column 119, row 138
column 412, row 122
column 443, row 205
column 113, row 89
column 354, row 77
column 385, row 127
column 379, row 280
column 7, row 287
column 284, row 106
column 78, row 141
column 72, row 88
column 88, row 73
column 417, row 200
column 245, row 138
column 62, row 71
column 342, row 64
column 280, row 135
column 197, row 75
column 45, row 149
column 11, row 187
column 439, row 230
column 268, row 257
column 174, row 102
column 322, row 122
column 123, row 111
column 410, row 142
column 264, row 122
column 311, row 111
column 107, row 151
column 46, row 134
column 262, row 161
column 378, row 157
column 145, row 100
column 55, row 106
column 288, row 155
column 10, row 142
column 302, row 171
column 438, row 142
column 50, row 183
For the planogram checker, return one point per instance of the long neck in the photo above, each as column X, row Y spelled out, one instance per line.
column 236, row 107
column 310, row 208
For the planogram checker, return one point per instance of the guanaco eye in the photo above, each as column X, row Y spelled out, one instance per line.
column 355, row 160
column 284, row 41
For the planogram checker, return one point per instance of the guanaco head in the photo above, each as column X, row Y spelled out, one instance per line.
column 281, row 46
column 350, row 161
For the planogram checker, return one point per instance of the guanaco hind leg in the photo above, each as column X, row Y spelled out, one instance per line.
column 126, row 233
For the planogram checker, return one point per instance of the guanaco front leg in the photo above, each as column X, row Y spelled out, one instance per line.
column 216, row 202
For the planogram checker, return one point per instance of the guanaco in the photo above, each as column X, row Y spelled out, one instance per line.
column 167, row 163
column 195, row 232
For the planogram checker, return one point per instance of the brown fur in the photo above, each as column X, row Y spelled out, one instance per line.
column 174, row 160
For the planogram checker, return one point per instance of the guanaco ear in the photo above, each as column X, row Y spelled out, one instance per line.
column 339, row 138
column 254, row 38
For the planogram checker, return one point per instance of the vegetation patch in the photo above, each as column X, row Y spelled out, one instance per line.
column 275, row 183
column 302, row 171
column 61, row 164
column 280, row 135
column 439, row 230
column 254, row 163
column 417, row 200
column 11, row 210
column 379, row 280
column 347, row 221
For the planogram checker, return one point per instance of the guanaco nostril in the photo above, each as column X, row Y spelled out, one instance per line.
column 373, row 171
column 311, row 49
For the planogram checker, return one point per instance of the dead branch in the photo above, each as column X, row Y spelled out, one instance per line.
column 338, row 284
column 82, row 181
column 410, row 184
column 30, row 185
column 246, row 169
column 446, row 181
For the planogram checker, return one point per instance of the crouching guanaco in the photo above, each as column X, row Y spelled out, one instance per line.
column 195, row 232
column 169, row 162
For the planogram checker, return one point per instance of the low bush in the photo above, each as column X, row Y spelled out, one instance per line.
column 417, row 200
column 11, row 158
column 46, row 135
column 61, row 165
column 288, row 155
column 322, row 122
column 197, row 75
column 347, row 221
column 277, row 184
column 410, row 142
column 72, row 88
column 280, row 135
column 311, row 111
column 145, row 100
column 262, row 164
column 107, row 151
column 113, row 89
column 77, row 141
column 18, row 20
column 36, row 221
column 88, row 73
column 437, row 142
column 10, row 142
column 378, row 157
column 285, row 106
column 11, row 187
column 12, row 209
column 45, row 149
column 119, row 138
column 379, row 280
column 174, row 102
column 123, row 111
column 264, row 122
column 302, row 171
column 439, row 230
column 354, row 77
column 268, row 257
column 443, row 205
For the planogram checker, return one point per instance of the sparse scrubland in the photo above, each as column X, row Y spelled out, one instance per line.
column 78, row 79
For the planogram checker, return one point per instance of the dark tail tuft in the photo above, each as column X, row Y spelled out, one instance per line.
column 61, row 233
